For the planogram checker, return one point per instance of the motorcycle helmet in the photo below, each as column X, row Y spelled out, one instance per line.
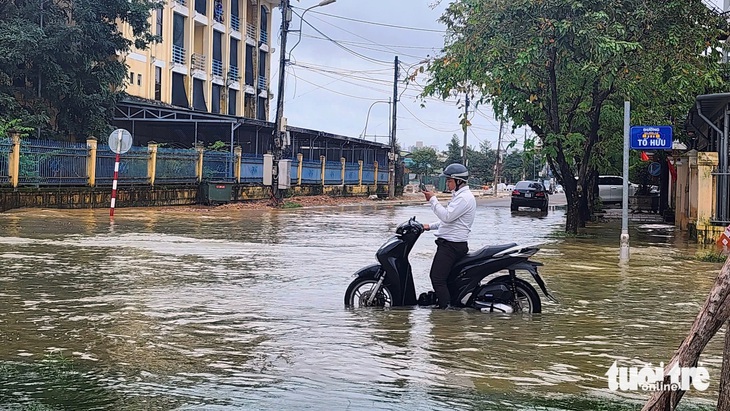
column 456, row 171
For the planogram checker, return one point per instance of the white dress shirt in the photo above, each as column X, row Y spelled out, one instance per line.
column 456, row 218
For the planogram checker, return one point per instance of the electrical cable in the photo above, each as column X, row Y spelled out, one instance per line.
column 379, row 24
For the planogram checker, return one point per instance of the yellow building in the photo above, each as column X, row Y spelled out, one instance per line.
column 214, row 56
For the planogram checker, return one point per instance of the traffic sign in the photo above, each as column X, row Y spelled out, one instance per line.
column 651, row 138
column 120, row 141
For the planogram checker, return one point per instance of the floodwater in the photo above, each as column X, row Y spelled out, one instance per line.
column 211, row 310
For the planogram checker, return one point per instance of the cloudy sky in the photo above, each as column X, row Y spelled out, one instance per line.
column 332, row 84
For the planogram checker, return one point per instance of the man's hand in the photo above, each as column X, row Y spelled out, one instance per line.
column 426, row 227
column 428, row 194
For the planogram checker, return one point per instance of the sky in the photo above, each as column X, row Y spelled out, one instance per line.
column 332, row 86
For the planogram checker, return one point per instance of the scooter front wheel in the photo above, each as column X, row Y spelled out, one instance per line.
column 365, row 293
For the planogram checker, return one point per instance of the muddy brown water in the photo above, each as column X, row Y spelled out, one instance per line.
column 244, row 310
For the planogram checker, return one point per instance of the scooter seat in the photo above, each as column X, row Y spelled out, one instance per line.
column 481, row 254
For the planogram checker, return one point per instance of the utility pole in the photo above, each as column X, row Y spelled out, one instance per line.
column 391, row 176
column 498, row 163
column 524, row 141
column 466, row 125
column 280, row 126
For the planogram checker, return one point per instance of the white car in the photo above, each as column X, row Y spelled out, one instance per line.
column 611, row 189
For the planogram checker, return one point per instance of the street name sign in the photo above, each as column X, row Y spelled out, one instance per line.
column 651, row 138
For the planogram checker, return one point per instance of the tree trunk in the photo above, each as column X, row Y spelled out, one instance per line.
column 572, row 218
column 723, row 400
column 714, row 313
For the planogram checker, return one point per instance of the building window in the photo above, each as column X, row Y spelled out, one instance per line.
column 215, row 99
column 158, row 83
column 139, row 79
column 261, row 109
column 232, row 97
column 249, row 65
column 158, row 23
column 218, row 11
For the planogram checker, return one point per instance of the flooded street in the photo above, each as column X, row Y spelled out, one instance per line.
column 244, row 310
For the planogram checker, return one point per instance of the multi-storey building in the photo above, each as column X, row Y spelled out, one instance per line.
column 214, row 56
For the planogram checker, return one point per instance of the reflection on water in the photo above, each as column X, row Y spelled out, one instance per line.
column 200, row 310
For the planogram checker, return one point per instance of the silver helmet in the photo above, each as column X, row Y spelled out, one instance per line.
column 456, row 171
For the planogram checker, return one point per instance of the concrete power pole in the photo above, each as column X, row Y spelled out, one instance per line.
column 280, row 126
column 466, row 125
column 393, row 159
column 498, row 163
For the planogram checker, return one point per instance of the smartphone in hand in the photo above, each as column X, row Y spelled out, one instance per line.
column 423, row 187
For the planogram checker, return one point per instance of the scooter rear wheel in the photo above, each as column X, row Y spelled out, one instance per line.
column 360, row 290
column 527, row 296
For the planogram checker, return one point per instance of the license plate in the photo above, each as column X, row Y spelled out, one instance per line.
column 528, row 195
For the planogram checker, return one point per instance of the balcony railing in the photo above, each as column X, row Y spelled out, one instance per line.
column 198, row 62
column 217, row 68
column 250, row 31
column 235, row 23
column 262, row 83
column 178, row 54
column 233, row 73
column 264, row 37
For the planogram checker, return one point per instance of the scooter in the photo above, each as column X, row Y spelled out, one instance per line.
column 390, row 283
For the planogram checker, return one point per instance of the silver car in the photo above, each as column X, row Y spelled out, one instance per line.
column 611, row 189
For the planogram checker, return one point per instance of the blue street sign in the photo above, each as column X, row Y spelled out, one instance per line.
column 651, row 138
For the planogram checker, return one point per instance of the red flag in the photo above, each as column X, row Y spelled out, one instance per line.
column 672, row 170
column 644, row 157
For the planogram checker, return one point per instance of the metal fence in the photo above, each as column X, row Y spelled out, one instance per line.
column 132, row 166
column 176, row 165
column 332, row 173
column 311, row 172
column 5, row 144
column 218, row 166
column 47, row 162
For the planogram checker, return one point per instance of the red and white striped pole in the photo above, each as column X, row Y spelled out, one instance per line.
column 116, row 174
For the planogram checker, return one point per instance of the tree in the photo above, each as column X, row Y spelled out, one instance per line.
column 564, row 68
column 59, row 69
column 424, row 160
column 453, row 151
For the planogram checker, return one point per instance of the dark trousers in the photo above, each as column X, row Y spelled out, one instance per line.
column 447, row 253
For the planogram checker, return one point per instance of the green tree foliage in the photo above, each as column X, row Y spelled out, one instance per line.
column 425, row 161
column 564, row 68
column 72, row 58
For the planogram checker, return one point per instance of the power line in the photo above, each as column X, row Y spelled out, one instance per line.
column 359, row 43
column 380, row 24
column 362, row 56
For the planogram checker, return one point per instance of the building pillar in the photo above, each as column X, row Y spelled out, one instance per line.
column 706, row 187
column 14, row 159
column 300, row 167
column 152, row 163
column 238, row 153
column 323, row 160
column 91, row 145
column 343, row 161
column 359, row 173
column 199, row 165
column 375, row 179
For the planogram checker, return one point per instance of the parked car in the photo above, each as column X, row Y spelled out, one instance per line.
column 611, row 189
column 529, row 194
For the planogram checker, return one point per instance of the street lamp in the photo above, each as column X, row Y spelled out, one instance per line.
column 301, row 20
column 365, row 131
column 280, row 140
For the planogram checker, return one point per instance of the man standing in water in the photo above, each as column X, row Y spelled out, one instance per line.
column 452, row 229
